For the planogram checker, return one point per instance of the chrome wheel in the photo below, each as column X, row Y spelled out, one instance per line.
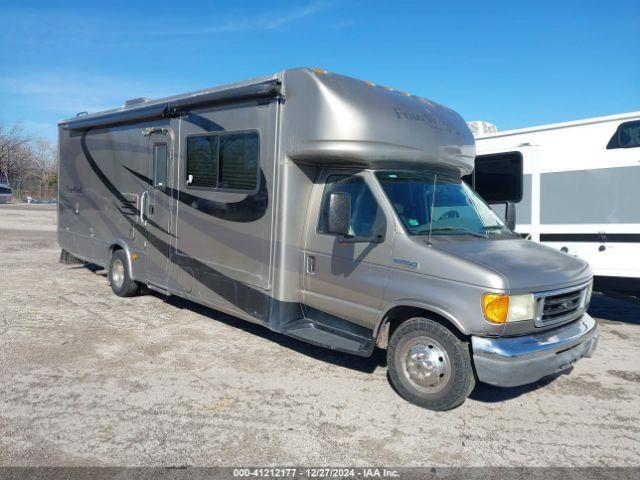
column 117, row 273
column 426, row 364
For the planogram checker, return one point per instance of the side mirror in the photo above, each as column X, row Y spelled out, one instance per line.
column 510, row 215
column 338, row 213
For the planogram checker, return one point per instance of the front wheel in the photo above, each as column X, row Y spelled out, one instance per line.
column 429, row 366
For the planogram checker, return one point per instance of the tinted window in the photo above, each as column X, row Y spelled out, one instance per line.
column 160, row 164
column 238, row 161
column 365, row 213
column 498, row 177
column 202, row 161
column 627, row 136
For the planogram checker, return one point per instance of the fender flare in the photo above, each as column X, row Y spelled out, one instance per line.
column 124, row 246
column 381, row 332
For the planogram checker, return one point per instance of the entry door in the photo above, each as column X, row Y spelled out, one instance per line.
column 346, row 280
column 157, row 208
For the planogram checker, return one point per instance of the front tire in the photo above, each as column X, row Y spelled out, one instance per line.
column 119, row 276
column 429, row 366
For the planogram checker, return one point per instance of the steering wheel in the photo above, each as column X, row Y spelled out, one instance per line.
column 449, row 214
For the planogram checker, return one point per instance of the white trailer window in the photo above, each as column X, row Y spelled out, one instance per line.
column 498, row 177
column 627, row 136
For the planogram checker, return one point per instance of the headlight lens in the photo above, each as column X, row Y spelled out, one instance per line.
column 501, row 308
column 589, row 292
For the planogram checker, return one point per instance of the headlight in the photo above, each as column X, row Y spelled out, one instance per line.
column 501, row 308
column 587, row 299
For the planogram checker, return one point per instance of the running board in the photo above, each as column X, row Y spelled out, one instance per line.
column 324, row 336
column 158, row 289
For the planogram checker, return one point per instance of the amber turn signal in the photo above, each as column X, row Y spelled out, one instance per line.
column 495, row 307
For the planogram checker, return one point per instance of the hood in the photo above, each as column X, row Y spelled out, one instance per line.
column 526, row 266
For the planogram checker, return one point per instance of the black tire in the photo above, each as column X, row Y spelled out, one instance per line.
column 119, row 276
column 428, row 365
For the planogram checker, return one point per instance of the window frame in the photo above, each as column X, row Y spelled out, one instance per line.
column 220, row 134
column 614, row 141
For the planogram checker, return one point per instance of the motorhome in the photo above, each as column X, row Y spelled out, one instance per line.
column 6, row 194
column 575, row 189
column 331, row 210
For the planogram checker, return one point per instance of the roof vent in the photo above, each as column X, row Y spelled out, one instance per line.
column 136, row 101
column 480, row 127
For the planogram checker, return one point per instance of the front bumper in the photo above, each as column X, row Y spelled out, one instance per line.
column 513, row 361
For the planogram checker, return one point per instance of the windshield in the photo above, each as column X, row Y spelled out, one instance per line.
column 434, row 204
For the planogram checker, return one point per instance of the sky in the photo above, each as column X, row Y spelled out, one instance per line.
column 515, row 64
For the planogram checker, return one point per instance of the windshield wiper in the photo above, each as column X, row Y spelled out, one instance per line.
column 458, row 229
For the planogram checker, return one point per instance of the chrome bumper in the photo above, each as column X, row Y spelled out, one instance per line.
column 508, row 362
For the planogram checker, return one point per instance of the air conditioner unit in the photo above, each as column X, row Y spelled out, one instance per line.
column 480, row 127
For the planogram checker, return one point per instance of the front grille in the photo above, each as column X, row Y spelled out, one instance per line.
column 560, row 305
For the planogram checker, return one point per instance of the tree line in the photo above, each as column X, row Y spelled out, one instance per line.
column 29, row 162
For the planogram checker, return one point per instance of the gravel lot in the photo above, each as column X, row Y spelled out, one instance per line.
column 88, row 378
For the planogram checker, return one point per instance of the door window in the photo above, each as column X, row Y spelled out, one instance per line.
column 366, row 215
column 160, row 164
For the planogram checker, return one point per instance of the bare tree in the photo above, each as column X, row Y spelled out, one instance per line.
column 44, row 164
column 12, row 143
column 29, row 163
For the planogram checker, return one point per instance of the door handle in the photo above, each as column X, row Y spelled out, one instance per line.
column 311, row 264
column 144, row 195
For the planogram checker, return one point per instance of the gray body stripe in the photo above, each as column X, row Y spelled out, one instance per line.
column 603, row 195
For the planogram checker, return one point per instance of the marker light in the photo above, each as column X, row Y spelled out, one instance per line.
column 320, row 71
column 501, row 308
column 368, row 83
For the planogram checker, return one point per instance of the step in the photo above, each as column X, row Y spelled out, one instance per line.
column 324, row 336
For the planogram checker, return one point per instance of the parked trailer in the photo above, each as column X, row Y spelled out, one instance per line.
column 331, row 210
column 575, row 185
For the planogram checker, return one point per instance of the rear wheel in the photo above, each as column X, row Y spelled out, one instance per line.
column 119, row 276
column 429, row 366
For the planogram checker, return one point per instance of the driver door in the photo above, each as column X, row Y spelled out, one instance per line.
column 346, row 279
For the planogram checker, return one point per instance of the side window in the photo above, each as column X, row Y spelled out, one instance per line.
column 202, row 161
column 627, row 136
column 366, row 215
column 160, row 164
column 229, row 162
column 238, row 160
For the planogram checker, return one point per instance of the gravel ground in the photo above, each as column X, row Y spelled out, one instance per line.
column 90, row 379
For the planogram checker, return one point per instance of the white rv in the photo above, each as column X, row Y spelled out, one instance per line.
column 576, row 187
